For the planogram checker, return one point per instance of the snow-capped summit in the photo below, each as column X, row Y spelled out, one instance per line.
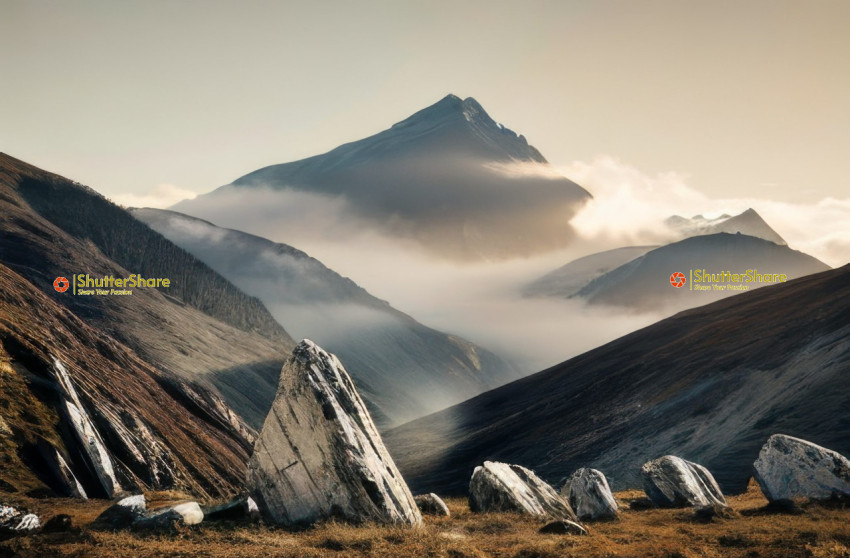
column 448, row 177
column 749, row 222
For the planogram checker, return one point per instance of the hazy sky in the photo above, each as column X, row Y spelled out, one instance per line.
column 746, row 98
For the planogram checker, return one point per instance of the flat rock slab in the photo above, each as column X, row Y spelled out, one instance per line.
column 502, row 487
column 672, row 482
column 431, row 504
column 788, row 468
column 319, row 454
column 589, row 495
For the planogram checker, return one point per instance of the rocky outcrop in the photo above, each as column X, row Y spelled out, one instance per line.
column 502, row 487
column 672, row 482
column 431, row 504
column 64, row 481
column 122, row 513
column 243, row 508
column 589, row 495
column 90, row 444
column 319, row 454
column 789, row 468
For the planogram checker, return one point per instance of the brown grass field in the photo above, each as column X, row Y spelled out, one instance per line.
column 751, row 530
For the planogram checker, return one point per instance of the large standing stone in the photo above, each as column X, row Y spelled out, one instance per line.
column 672, row 482
column 319, row 455
column 589, row 495
column 502, row 487
column 789, row 468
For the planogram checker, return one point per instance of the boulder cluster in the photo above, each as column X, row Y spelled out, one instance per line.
column 319, row 456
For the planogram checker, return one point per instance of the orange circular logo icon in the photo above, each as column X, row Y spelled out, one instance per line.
column 677, row 279
column 61, row 284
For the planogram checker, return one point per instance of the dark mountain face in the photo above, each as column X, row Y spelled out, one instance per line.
column 709, row 385
column 403, row 369
column 200, row 331
column 448, row 177
column 158, row 432
column 643, row 284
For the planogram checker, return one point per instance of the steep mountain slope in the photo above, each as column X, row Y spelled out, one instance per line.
column 749, row 223
column 403, row 369
column 53, row 227
column 709, row 384
column 644, row 283
column 570, row 278
column 449, row 177
column 154, row 435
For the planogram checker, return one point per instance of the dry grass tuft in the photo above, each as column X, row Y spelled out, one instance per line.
column 753, row 530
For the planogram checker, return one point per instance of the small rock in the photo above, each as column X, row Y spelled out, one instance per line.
column 58, row 524
column 190, row 512
column 502, row 487
column 122, row 513
column 14, row 522
column 563, row 528
column 164, row 522
column 431, row 504
column 789, row 468
column 672, row 482
column 589, row 495
column 243, row 508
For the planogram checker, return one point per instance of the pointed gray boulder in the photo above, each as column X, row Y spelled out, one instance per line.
column 789, row 468
column 672, row 482
column 319, row 454
column 589, row 495
column 502, row 487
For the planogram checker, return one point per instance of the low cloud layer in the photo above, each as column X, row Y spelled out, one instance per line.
column 480, row 299
column 162, row 196
column 629, row 207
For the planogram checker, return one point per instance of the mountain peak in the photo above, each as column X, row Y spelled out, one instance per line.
column 448, row 108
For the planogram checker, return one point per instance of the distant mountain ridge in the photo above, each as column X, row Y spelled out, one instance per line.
column 644, row 283
column 403, row 368
column 448, row 177
column 749, row 223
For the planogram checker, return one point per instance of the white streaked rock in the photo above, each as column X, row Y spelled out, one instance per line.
column 589, row 495
column 87, row 435
column 319, row 454
column 789, row 468
column 671, row 482
column 502, row 487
